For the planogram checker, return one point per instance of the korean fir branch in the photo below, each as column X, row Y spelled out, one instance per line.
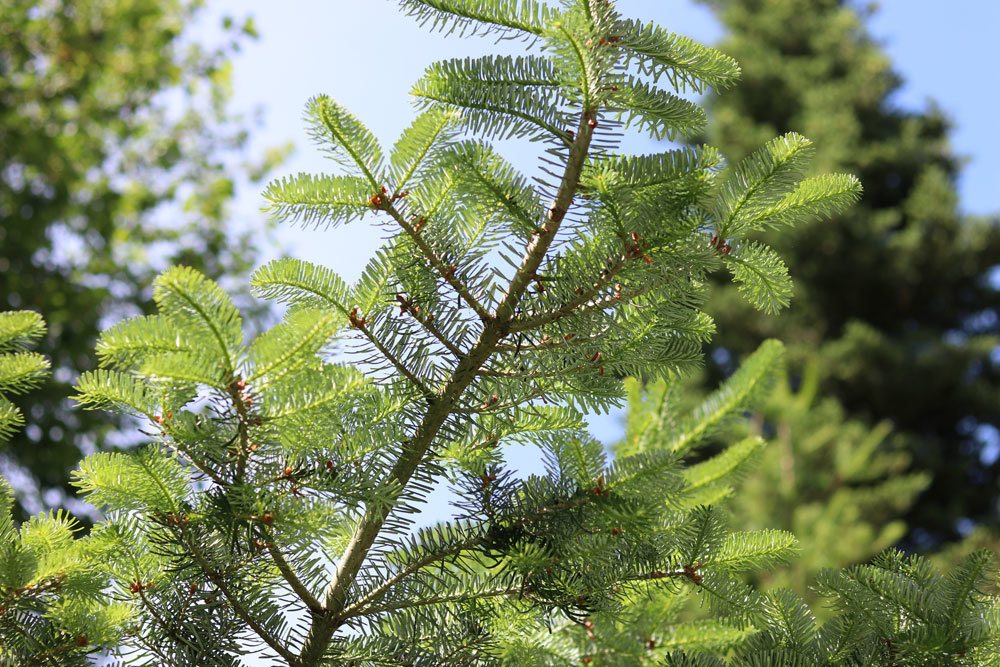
column 496, row 327
column 632, row 272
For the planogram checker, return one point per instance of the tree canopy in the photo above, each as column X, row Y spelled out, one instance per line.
column 120, row 158
column 895, row 305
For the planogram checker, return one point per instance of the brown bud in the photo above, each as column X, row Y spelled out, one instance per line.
column 598, row 489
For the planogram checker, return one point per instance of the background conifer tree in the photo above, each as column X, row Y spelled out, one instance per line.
column 840, row 486
column 894, row 305
column 119, row 158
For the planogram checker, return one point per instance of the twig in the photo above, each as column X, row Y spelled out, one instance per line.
column 446, row 272
column 289, row 575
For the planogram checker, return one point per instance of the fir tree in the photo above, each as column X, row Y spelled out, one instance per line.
column 895, row 308
column 840, row 486
column 270, row 511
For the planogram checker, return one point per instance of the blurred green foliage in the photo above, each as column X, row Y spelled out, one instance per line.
column 895, row 308
column 119, row 157
column 837, row 484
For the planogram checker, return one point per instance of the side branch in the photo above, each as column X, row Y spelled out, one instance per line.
column 427, row 321
column 366, row 604
column 526, row 323
column 292, row 579
column 396, row 362
column 440, row 599
column 360, row 607
column 447, row 273
column 549, row 343
column 237, row 605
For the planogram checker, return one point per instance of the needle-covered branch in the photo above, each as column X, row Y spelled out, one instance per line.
column 271, row 501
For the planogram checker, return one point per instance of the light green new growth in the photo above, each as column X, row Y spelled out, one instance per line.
column 20, row 370
column 895, row 611
column 50, row 589
column 271, row 509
